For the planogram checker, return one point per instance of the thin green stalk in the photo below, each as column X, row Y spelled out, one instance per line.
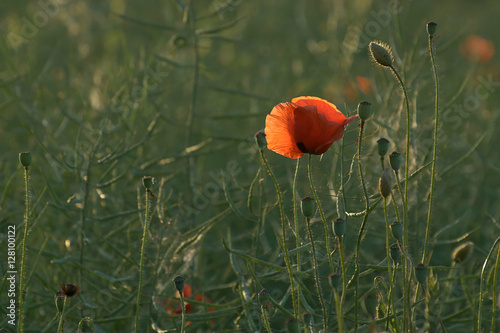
column 23, row 253
column 481, row 287
column 344, row 279
column 391, row 298
column 316, row 275
column 323, row 219
column 434, row 151
column 296, row 221
column 61, row 319
column 338, row 309
column 407, row 162
column 387, row 249
column 266, row 320
column 283, row 229
column 183, row 316
column 392, row 194
column 494, row 292
column 361, row 229
column 141, row 265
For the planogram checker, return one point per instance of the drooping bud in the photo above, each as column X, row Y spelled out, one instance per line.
column 395, row 252
column 384, row 183
column 364, row 110
column 25, row 159
column 395, row 159
column 381, row 53
column 179, row 283
column 335, row 280
column 59, row 299
column 431, row 28
column 264, row 298
column 397, row 230
column 462, row 252
column 370, row 304
column 383, row 146
column 147, row 182
column 260, row 140
column 307, row 206
column 421, row 273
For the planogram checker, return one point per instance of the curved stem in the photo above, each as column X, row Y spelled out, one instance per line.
column 323, row 219
column 494, row 292
column 141, row 265
column 481, row 286
column 23, row 253
column 283, row 229
column 434, row 152
column 316, row 276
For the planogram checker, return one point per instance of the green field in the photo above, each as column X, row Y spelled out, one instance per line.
column 104, row 93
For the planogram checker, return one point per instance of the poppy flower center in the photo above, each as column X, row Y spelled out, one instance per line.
column 302, row 147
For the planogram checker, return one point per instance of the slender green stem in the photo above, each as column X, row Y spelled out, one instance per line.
column 481, row 287
column 425, row 260
column 323, row 219
column 338, row 308
column 407, row 162
column 391, row 298
column 387, row 249
column 296, row 221
column 183, row 315
column 344, row 279
column 23, row 253
column 141, row 265
column 316, row 275
column 266, row 319
column 361, row 229
column 283, row 227
column 494, row 292
column 61, row 319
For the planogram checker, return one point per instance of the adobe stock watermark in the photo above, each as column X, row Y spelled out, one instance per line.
column 459, row 111
column 31, row 25
column 11, row 274
column 357, row 39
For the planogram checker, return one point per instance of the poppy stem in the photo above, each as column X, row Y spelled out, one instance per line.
column 266, row 319
column 23, row 255
column 316, row 275
column 61, row 319
column 327, row 236
column 141, row 264
column 389, row 266
column 283, row 228
column 361, row 229
column 296, row 221
column 183, row 318
column 434, row 152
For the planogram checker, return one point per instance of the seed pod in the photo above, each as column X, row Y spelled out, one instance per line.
column 395, row 252
column 339, row 227
column 421, row 273
column 179, row 283
column 264, row 297
column 335, row 280
column 25, row 159
column 396, row 160
column 260, row 140
column 383, row 146
column 364, row 110
column 462, row 252
column 397, row 230
column 307, row 206
column 381, row 53
column 384, row 183
column 431, row 28
column 147, row 182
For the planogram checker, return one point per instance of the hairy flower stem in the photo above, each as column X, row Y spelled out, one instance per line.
column 283, row 229
column 296, row 221
column 323, row 219
column 388, row 254
column 426, row 260
column 141, row 265
column 23, row 253
column 61, row 318
column 361, row 229
column 266, row 319
column 183, row 316
column 316, row 276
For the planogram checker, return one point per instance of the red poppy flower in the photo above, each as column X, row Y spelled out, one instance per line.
column 174, row 307
column 477, row 48
column 306, row 125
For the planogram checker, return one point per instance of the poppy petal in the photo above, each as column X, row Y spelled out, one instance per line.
column 280, row 131
column 324, row 107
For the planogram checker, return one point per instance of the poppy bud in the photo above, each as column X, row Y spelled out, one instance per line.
column 292, row 325
column 370, row 304
column 431, row 28
column 384, row 183
column 264, row 297
column 397, row 230
column 59, row 299
column 307, row 206
column 148, row 182
column 383, row 146
column 260, row 140
column 339, row 227
column 179, row 283
column 364, row 110
column 396, row 160
column 395, row 252
column 421, row 273
column 69, row 289
column 335, row 280
column 381, row 53
column 462, row 252
column 25, row 159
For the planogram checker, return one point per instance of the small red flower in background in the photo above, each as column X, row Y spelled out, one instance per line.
column 477, row 48
column 174, row 306
column 306, row 125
